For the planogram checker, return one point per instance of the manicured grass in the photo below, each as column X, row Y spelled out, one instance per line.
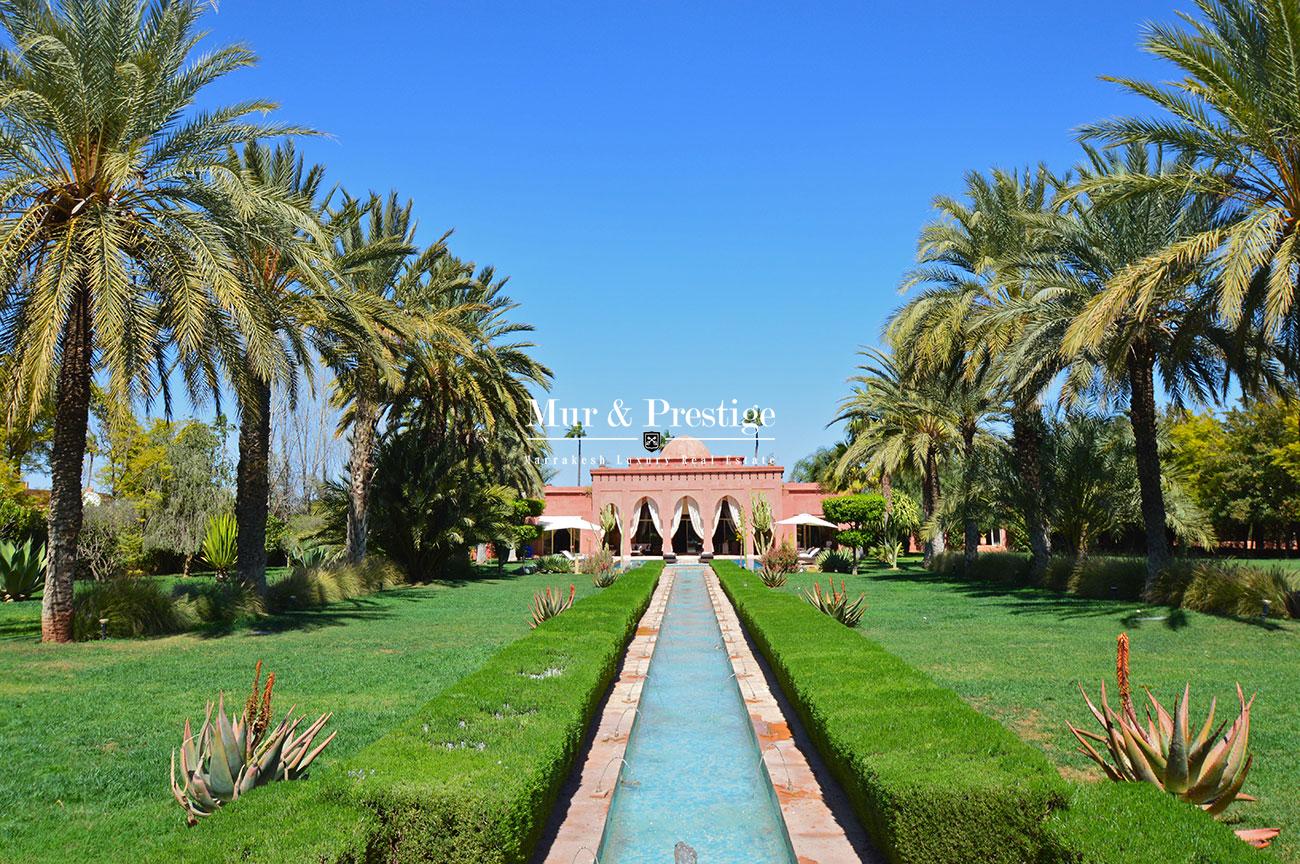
column 86, row 730
column 1017, row 655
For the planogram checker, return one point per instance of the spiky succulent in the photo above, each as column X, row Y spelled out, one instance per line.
column 549, row 604
column 234, row 754
column 1207, row 769
column 604, row 578
column 836, row 603
column 772, row 578
column 22, row 570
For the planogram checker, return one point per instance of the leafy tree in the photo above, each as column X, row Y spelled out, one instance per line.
column 114, row 242
column 864, row 514
column 189, row 491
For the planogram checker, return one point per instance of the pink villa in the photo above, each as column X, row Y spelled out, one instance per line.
column 683, row 502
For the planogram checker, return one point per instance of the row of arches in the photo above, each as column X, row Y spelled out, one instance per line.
column 684, row 529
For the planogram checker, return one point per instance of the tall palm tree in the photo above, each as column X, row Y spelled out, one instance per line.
column 1234, row 116
column 899, row 424
column 973, row 260
column 376, row 257
column 1114, row 346
column 115, row 228
column 578, row 431
column 754, row 417
column 313, row 313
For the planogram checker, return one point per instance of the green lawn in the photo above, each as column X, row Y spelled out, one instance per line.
column 86, row 730
column 1017, row 655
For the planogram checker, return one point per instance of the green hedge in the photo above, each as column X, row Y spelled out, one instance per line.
column 472, row 776
column 933, row 780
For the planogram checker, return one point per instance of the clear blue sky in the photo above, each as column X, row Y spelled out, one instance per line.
column 696, row 201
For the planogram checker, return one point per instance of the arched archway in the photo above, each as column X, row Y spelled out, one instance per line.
column 647, row 537
column 687, row 527
column 726, row 530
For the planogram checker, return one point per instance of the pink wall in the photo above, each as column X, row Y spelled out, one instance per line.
column 685, row 470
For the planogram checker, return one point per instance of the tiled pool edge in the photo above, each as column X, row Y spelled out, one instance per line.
column 584, row 821
column 815, row 833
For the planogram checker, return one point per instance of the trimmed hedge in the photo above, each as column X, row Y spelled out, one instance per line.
column 472, row 776
column 935, row 781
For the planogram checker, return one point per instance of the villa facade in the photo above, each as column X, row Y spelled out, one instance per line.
column 684, row 501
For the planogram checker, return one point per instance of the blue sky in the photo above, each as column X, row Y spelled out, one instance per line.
column 696, row 201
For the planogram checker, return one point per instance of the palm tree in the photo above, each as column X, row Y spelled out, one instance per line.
column 114, row 232
column 577, row 431
column 1115, row 346
column 973, row 262
column 1234, row 117
column 899, row 424
column 313, row 311
column 754, row 417
column 374, row 255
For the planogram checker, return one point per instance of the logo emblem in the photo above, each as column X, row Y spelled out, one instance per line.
column 652, row 441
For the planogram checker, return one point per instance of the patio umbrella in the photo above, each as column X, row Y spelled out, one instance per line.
column 563, row 523
column 808, row 519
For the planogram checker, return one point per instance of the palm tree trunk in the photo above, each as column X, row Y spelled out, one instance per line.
column 71, row 417
column 1027, row 442
column 971, row 538
column 361, row 471
column 579, row 461
column 253, row 485
column 930, row 494
column 1142, row 414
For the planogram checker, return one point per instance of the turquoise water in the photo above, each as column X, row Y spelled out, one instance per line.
column 693, row 769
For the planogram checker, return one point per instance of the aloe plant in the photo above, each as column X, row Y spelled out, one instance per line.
column 1207, row 769
column 22, row 570
column 219, row 546
column 836, row 603
column 234, row 754
column 772, row 578
column 549, row 604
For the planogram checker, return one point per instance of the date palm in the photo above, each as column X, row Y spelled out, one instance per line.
column 578, row 431
column 1234, row 117
column 1112, row 347
column 973, row 262
column 115, row 230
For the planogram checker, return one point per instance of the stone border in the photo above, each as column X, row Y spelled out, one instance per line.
column 808, row 804
column 584, row 822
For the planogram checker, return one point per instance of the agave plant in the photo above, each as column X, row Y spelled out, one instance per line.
column 772, row 578
column 234, row 754
column 22, row 570
column 309, row 557
column 604, row 578
column 836, row 603
column 888, row 553
column 219, row 546
column 1207, row 769
column 549, row 604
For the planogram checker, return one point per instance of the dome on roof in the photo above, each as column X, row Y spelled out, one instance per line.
column 685, row 447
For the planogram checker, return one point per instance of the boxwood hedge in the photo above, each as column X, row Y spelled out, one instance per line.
column 471, row 777
column 936, row 782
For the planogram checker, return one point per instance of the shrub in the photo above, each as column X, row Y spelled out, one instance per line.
column 835, row 561
column 220, row 543
column 20, row 521
column 133, row 607
column 780, row 559
column 217, row 604
column 549, row 604
column 1008, row 568
column 888, row 552
column 22, row 570
column 598, row 564
column 1108, row 578
column 1234, row 589
column 836, row 603
column 936, row 782
column 1057, row 575
column 554, row 564
column 110, row 540
column 311, row 589
column 772, row 578
column 473, row 776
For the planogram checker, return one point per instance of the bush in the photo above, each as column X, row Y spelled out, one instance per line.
column 473, row 776
column 133, row 607
column 217, row 604
column 936, row 782
column 1233, row 589
column 598, row 563
column 20, row 522
column 554, row 564
column 780, row 559
column 1008, row 568
column 1108, row 578
column 311, row 589
column 835, row 561
column 1057, row 576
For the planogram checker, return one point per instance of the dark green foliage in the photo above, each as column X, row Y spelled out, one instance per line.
column 1228, row 588
column 1008, row 568
column 312, row 588
column 863, row 513
column 217, row 605
column 133, row 607
column 835, row 561
column 1108, row 578
column 554, row 564
column 20, row 521
column 936, row 782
